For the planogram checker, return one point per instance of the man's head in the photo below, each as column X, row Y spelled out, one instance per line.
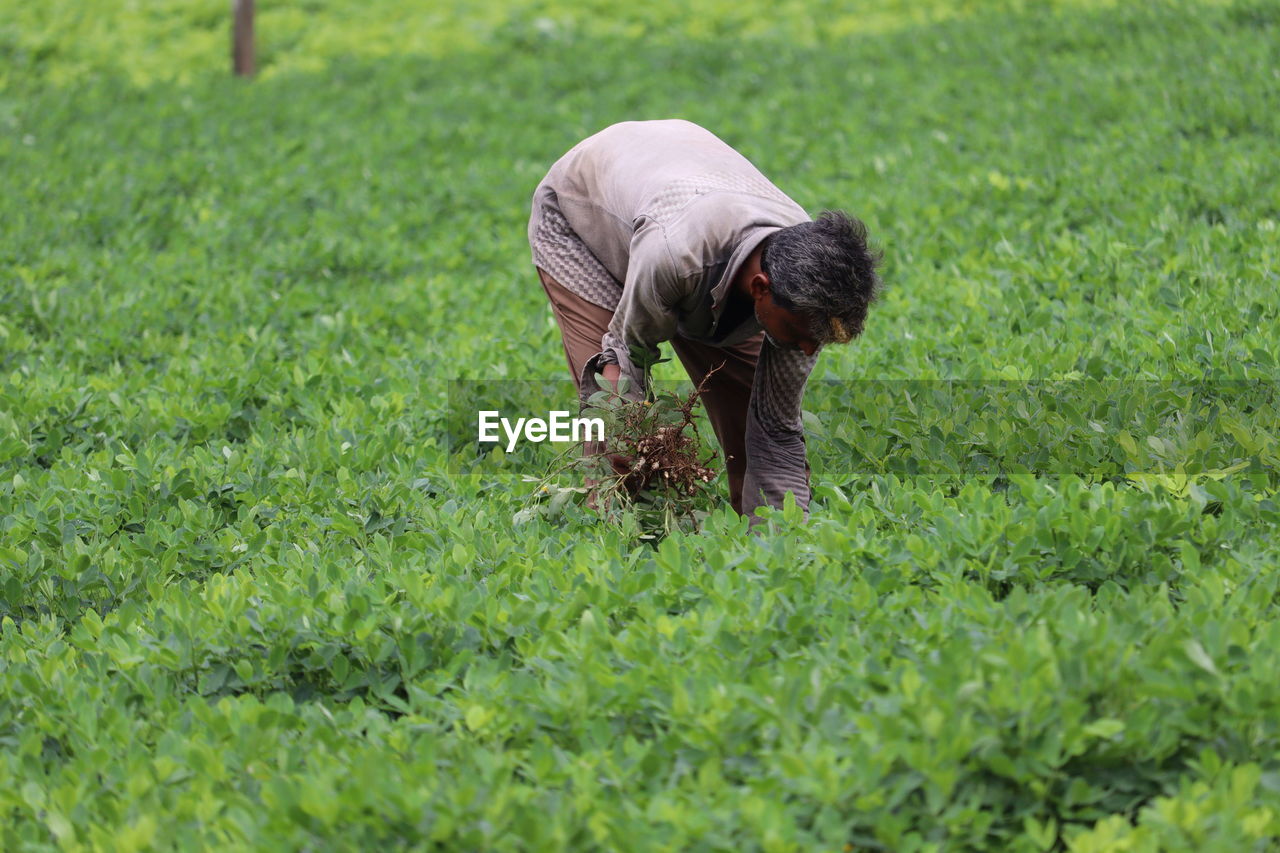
column 814, row 282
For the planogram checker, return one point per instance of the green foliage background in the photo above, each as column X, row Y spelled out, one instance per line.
column 248, row 602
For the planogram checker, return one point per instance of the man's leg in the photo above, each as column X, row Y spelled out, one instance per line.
column 582, row 324
column 726, row 397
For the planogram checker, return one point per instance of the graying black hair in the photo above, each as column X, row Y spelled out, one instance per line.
column 825, row 271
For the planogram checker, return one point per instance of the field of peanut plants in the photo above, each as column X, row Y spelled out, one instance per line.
column 253, row 598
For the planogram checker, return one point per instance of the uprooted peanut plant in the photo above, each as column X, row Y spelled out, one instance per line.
column 651, row 463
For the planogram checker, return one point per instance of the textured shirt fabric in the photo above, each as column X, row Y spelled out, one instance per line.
column 652, row 220
column 558, row 250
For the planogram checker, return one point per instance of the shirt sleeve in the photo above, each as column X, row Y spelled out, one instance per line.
column 645, row 315
column 776, row 458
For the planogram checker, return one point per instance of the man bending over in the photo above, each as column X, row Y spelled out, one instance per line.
column 654, row 231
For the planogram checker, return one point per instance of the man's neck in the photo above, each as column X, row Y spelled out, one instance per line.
column 737, row 310
column 749, row 269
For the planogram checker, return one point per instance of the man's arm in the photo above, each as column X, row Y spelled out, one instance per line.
column 776, row 457
column 645, row 315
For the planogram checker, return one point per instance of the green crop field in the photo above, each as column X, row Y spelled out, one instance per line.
column 251, row 599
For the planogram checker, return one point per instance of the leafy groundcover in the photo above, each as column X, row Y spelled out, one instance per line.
column 253, row 597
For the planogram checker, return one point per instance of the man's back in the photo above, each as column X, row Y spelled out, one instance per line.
column 636, row 170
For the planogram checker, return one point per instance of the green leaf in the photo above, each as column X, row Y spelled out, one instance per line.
column 1199, row 656
column 1104, row 728
column 1126, row 441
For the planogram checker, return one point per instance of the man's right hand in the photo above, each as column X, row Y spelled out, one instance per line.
column 613, row 373
column 621, row 463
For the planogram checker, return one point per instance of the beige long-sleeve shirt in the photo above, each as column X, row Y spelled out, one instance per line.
column 670, row 212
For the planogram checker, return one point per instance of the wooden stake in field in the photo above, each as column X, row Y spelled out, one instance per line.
column 242, row 38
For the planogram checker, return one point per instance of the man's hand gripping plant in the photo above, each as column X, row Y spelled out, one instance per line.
column 649, row 462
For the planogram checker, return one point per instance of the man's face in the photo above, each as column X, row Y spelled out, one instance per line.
column 784, row 329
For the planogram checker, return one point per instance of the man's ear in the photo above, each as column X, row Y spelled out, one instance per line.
column 759, row 285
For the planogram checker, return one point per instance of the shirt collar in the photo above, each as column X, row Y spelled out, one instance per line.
column 745, row 247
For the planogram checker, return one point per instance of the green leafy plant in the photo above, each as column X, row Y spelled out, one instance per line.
column 248, row 602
